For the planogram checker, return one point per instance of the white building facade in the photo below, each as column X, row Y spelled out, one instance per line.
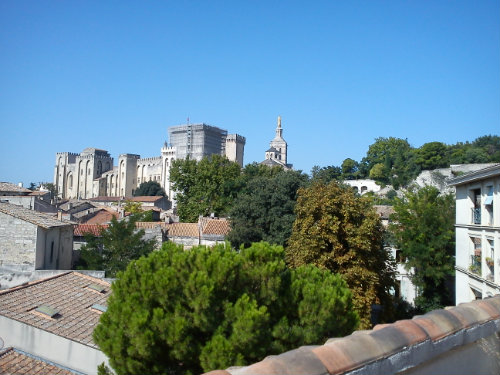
column 477, row 261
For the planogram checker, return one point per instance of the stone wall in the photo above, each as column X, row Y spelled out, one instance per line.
column 18, row 239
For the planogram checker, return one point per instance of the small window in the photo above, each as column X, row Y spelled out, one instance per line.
column 99, row 308
column 97, row 288
column 47, row 311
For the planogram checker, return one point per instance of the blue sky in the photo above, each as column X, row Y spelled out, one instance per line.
column 116, row 74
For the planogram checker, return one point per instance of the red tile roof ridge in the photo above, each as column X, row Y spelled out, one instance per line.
column 45, row 279
column 93, row 279
column 146, row 198
column 429, row 335
column 31, row 283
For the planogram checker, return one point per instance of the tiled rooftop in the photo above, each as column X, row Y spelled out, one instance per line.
column 387, row 346
column 106, row 199
column 216, row 227
column 38, row 193
column 14, row 361
column 102, row 216
column 144, row 198
column 7, row 187
column 69, row 294
column 123, row 199
column 183, row 230
column 93, row 229
column 151, row 224
column 38, row 218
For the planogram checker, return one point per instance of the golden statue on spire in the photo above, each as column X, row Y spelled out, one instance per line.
column 279, row 121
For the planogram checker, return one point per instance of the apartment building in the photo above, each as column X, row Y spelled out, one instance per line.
column 477, row 231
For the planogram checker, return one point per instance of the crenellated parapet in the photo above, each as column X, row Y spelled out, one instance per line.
column 130, row 156
column 153, row 160
column 235, row 138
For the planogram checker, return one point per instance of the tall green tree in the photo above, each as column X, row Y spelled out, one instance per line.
column 204, row 187
column 185, row 312
column 115, row 247
column 150, row 189
column 337, row 230
column 326, row 174
column 490, row 144
column 432, row 155
column 350, row 169
column 264, row 211
column 390, row 160
column 423, row 229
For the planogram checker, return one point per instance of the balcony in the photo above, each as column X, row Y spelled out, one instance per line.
column 475, row 266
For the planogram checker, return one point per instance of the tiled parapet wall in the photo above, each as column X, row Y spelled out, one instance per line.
column 459, row 340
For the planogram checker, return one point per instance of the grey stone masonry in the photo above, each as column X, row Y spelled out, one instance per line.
column 38, row 218
column 17, row 241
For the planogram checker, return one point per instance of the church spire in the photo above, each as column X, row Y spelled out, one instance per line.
column 279, row 130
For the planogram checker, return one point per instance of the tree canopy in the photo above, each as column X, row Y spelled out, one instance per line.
column 185, row 312
column 394, row 161
column 423, row 229
column 336, row 229
column 204, row 187
column 150, row 189
column 115, row 247
column 264, row 211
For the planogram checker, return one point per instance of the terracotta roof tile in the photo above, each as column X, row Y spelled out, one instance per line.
column 145, row 198
column 93, row 229
column 34, row 217
column 469, row 315
column 102, row 216
column 106, row 199
column 183, row 230
column 216, row 227
column 69, row 294
column 438, row 323
column 14, row 361
column 389, row 346
column 351, row 351
column 491, row 306
column 298, row 361
column 8, row 187
column 38, row 193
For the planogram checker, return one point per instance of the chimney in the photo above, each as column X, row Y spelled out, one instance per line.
column 59, row 215
column 20, row 184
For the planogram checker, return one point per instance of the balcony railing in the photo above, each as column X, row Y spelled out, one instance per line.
column 475, row 266
column 476, row 215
